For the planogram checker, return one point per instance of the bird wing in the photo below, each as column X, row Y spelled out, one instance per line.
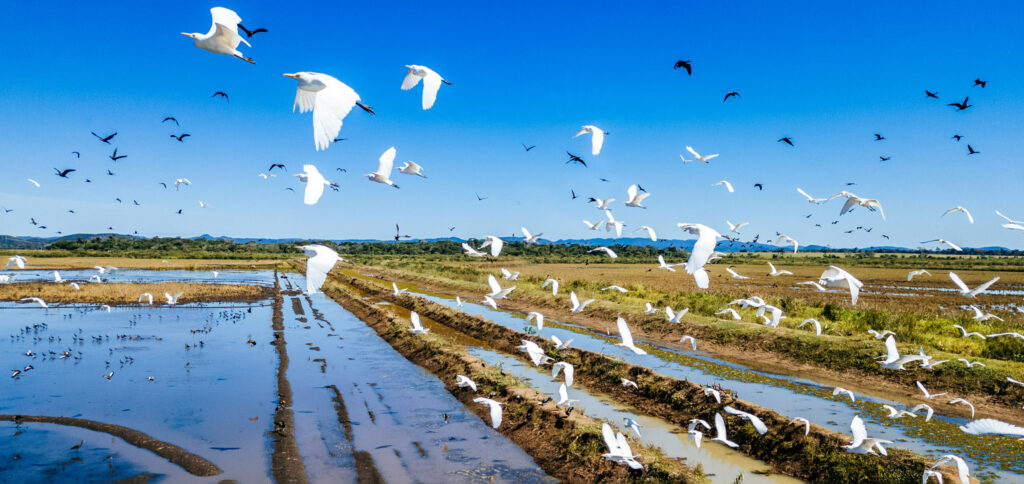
column 624, row 445
column 860, row 432
column 627, row 337
column 575, row 300
column 631, row 192
column 892, row 352
column 431, row 83
column 313, row 192
column 984, row 287
column 596, row 141
column 415, row 318
column 850, row 202
column 495, row 413
column 805, row 194
column 563, row 394
column 410, row 81
column 225, row 27
column 969, row 217
column 318, row 266
column 609, row 439
column 720, row 427
column 493, row 282
column 330, row 106
column 959, row 283
column 496, row 245
column 693, row 152
column 992, row 426
column 386, row 163
column 526, row 233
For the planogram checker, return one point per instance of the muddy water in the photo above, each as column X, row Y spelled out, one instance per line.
column 992, row 458
column 392, row 415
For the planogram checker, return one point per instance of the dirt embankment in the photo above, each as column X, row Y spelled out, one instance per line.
column 193, row 464
column 286, row 462
column 125, row 294
column 567, row 447
column 817, row 457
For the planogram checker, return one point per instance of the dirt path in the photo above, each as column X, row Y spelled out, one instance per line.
column 286, row 462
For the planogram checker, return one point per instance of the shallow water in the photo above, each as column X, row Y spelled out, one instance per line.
column 263, row 278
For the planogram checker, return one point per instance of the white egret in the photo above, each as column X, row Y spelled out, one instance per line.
column 497, row 292
column 881, row 335
column 632, row 424
column 417, row 326
column 96, row 278
column 929, row 411
column 960, row 209
column 536, row 353
column 663, row 265
column 703, row 248
column 982, row 316
column 75, row 286
column 696, row 435
column 464, row 381
column 596, row 139
column 315, row 183
column 611, row 224
column 329, row 99
column 16, row 261
column 395, row 291
column 799, row 420
column 711, row 392
column 538, row 316
column 893, row 413
column 56, row 277
column 776, row 273
column 321, row 260
column 606, row 250
column 554, row 286
column 789, row 240
column 944, row 241
column 861, row 443
column 458, row 301
column 567, row 368
column 266, row 176
column 431, row 83
column 223, row 36
column 970, row 364
column 490, row 302
column 675, row 317
column 602, row 204
column 736, row 228
column 811, row 199
column 615, row 288
column 1011, row 334
column 650, row 232
column 412, row 168
column 728, row 186
column 495, row 243
column 912, row 274
column 848, row 393
column 577, row 306
column 148, row 296
column 384, row 165
column 698, row 157
column 691, row 339
column 495, row 408
column 758, row 424
column 966, row 291
column 528, row 238
column 1010, row 220
column 852, row 200
column 927, row 395
column 470, row 251
column 963, row 402
column 963, row 472
column 563, row 397
column 593, row 226
column 635, row 197
column 649, row 309
column 559, row 344
column 815, row 322
column 181, row 181
column 817, row 287
column 720, row 431
column 731, row 312
column 629, row 383
column 734, row 274
column 836, row 277
column 618, row 448
column 988, row 426
column 509, row 275
column 627, row 337
column 172, row 299
column 37, row 300
column 893, row 360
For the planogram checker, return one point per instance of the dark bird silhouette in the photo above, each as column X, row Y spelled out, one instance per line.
column 930, row 94
column 77, row 446
column 786, row 139
column 879, row 137
column 338, row 139
column 32, row 220
column 641, row 188
column 759, row 186
column 961, row 106
column 181, row 137
column 452, row 228
column 88, row 180
column 850, row 184
column 115, row 157
column 604, row 180
column 886, row 237
column 479, row 198
column 251, row 33
column 684, row 64
column 528, row 148
column 573, row 192
column 136, row 202
column 171, row 118
column 77, row 154
column 276, row 165
column 731, row 94
column 118, row 200
column 162, row 183
column 958, row 137
column 979, row 82
column 342, row 170
column 222, row 94
column 576, row 159
column 398, row 234
column 971, row 151
column 290, row 188
column 884, row 158
column 179, row 211
column 105, row 140
column 64, row 173
column 8, row 210
column 110, row 173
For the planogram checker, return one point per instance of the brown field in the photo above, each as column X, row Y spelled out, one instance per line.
column 68, row 263
column 120, row 293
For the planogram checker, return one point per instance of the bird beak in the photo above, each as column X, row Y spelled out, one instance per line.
column 293, row 76
column 186, row 34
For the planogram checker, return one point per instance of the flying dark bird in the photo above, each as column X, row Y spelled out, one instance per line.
column 88, row 180
column 574, row 158
column 961, row 106
column 290, row 188
column 884, row 158
column 573, row 194
column 181, row 137
column 528, row 148
column 879, row 137
column 136, row 202
column 958, row 137
column 885, row 236
column 342, row 170
column 276, row 165
column 759, row 186
column 786, row 139
column 118, row 200
column 970, row 151
column 479, row 198
column 604, row 180
column 64, row 173
column 77, row 154
column 115, row 157
column 979, row 82
column 731, row 94
column 8, row 210
column 398, row 234
column 162, row 183
column 110, row 173
column 32, row 220
column 251, row 33
column 171, row 118
column 221, row 94
column 850, row 184
column 338, row 139
column 930, row 94
column 684, row 64
column 452, row 228
column 641, row 188
column 105, row 140
column 179, row 211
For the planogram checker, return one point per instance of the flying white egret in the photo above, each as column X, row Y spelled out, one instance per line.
column 815, row 322
column 736, row 228
column 618, row 448
column 495, row 408
column 562, row 366
column 602, row 204
column 970, row 364
column 711, row 392
column 963, row 472
column 470, row 251
column 266, row 176
column 495, row 243
column 649, row 309
column 817, row 286
column 734, row 274
column 960, row 209
column 944, row 241
column 963, row 402
column 384, row 166
column 509, row 275
column 412, row 168
column 490, row 302
column 321, row 260
column 703, row 248
column 988, row 426
column 691, row 339
column 731, row 312
column 535, row 352
column 497, row 292
column 1012, row 334
column 698, row 157
column 577, row 306
column 223, row 36
column 635, row 198
column 95, row 277
column 881, row 335
column 696, row 435
column 893, row 413
column 927, row 395
column 663, row 265
column 56, row 277
column 201, row 204
column 852, row 200
column 929, row 411
column 982, row 316
column 1010, row 220
column 172, row 299
column 5, row 279
column 458, row 301
column 758, row 424
column 597, row 137
column 528, row 238
column 16, row 261
column 848, row 393
column 811, row 199
column 611, row 223
column 650, row 232
column 893, row 360
column 181, row 181
column 464, row 381
column 861, row 443
column 799, row 420
column 33, row 182
column 776, row 273
column 836, row 277
column 329, row 99
column 629, row 383
column 417, row 326
column 728, row 186
column 615, row 288
column 912, row 274
column 395, row 291
column 1014, row 227
column 606, row 250
column 721, row 435
column 673, row 316
column 593, row 226
column 563, row 397
column 632, row 424
column 788, row 240
column 538, row 316
column 315, row 183
column 554, row 286
column 627, row 337
column 148, row 296
column 37, row 300
column 431, row 83
column 559, row 344
column 75, row 286
column 105, row 306
column 776, row 315
column 965, row 291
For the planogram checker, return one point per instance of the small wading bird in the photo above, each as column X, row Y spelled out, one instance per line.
column 223, row 36
column 431, row 83
column 329, row 99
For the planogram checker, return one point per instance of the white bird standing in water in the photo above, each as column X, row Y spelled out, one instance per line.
column 321, row 261
column 329, row 99
column 597, row 138
column 315, row 183
column 384, row 166
column 431, row 83
column 223, row 36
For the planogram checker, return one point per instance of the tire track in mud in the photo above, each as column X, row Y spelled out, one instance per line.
column 286, row 462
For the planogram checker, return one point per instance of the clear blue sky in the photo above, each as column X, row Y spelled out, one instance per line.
column 827, row 74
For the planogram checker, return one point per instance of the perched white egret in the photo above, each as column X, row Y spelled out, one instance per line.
column 495, row 243
column 893, row 360
column 691, row 339
column 497, row 292
column 734, row 274
column 618, row 448
column 988, row 426
column 412, row 168
column 927, row 395
column 321, row 260
column 912, row 274
column 223, row 36
column 721, row 435
column 944, row 241
column 758, row 424
column 836, row 277
column 788, row 240
column 315, row 183
column 698, row 157
column 728, row 186
column 16, row 261
column 627, row 337
column 528, row 238
column 559, row 344
column 811, row 199
column 384, row 165
column 929, row 411
column 37, row 300
column 815, row 322
column 881, row 335
column 147, row 296
column 966, row 291
column 731, row 312
column 567, row 368
column 431, row 83
column 982, row 316
column 554, row 286
column 417, row 326
column 701, row 253
column 464, row 381
column 615, row 288
column 848, row 393
column 776, row 273
column 495, row 408
column 635, row 197
column 577, row 306
column 861, row 443
column 736, row 228
column 509, row 275
column 596, row 139
column 960, row 209
column 538, row 316
column 606, row 250
column 650, row 232
column 329, row 99
column 963, row 402
column 172, row 299
column 470, row 251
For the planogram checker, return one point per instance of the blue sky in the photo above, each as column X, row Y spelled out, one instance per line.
column 828, row 75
